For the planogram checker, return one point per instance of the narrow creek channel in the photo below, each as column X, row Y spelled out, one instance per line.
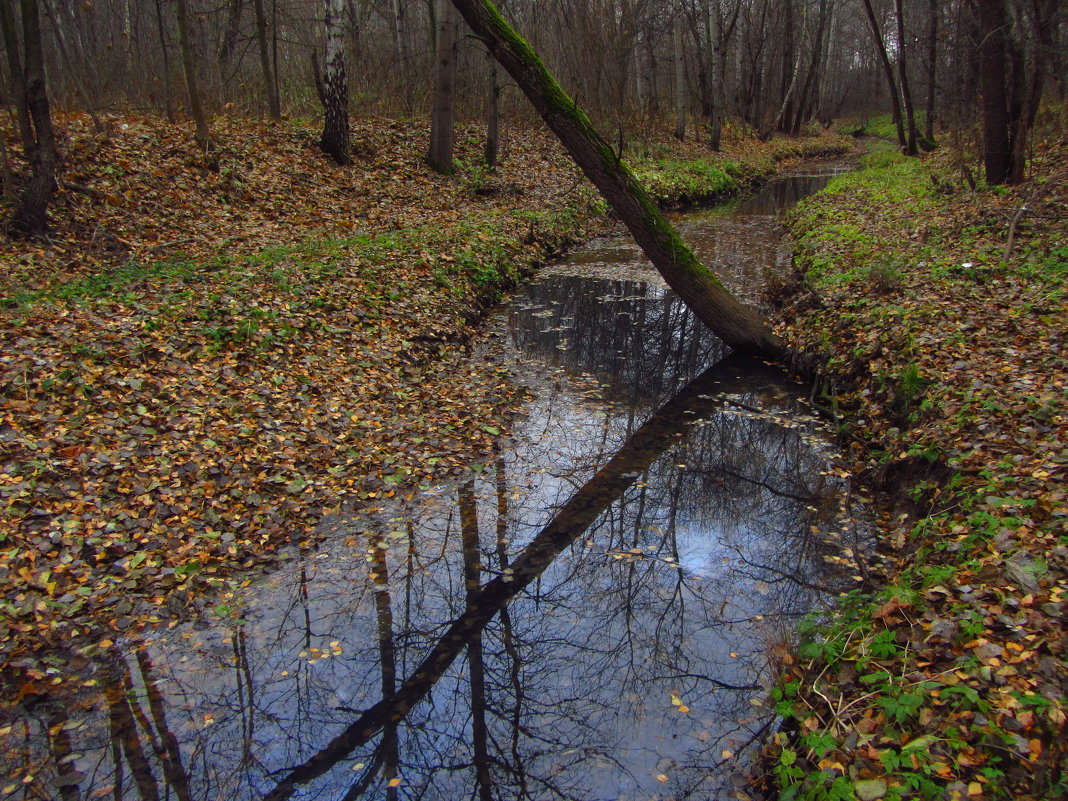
column 595, row 614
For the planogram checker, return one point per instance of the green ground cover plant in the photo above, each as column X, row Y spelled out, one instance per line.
column 941, row 311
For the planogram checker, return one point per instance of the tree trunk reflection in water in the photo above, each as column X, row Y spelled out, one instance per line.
column 560, row 693
column 170, row 753
column 472, row 580
column 515, row 662
column 563, row 688
column 570, row 522
column 387, row 656
column 125, row 735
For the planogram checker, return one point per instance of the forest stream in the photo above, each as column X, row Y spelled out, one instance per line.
column 597, row 613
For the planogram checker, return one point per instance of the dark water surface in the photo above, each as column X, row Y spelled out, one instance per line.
column 592, row 615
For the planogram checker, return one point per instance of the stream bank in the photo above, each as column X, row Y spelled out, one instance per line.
column 595, row 612
column 941, row 309
column 201, row 366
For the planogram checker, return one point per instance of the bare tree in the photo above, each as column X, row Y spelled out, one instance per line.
column 737, row 325
column 932, row 69
column 1015, row 42
column 439, row 156
column 493, row 115
column 185, row 44
column 35, row 118
column 888, row 71
column 680, row 75
column 903, row 76
column 274, row 106
column 333, row 87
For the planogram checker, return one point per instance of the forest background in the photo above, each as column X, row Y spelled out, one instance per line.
column 180, row 227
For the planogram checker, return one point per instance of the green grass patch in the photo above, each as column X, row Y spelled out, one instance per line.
column 669, row 180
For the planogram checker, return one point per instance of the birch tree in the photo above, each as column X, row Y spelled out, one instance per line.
column 333, row 87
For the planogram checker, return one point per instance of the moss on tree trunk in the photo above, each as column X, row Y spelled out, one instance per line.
column 737, row 325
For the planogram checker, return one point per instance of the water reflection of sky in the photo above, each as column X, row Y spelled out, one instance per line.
column 629, row 666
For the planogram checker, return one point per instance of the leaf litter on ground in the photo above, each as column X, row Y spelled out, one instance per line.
column 947, row 342
column 215, row 351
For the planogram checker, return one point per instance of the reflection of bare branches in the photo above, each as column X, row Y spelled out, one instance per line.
column 476, row 666
column 754, row 482
column 792, row 577
column 362, row 784
column 708, row 772
column 124, row 734
column 570, row 522
column 716, row 682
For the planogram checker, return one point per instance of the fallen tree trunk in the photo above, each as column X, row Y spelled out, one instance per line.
column 737, row 325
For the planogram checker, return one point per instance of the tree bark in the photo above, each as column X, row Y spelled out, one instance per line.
column 167, row 93
column 932, row 70
column 680, row 77
column 906, row 93
column 888, row 71
column 230, row 32
column 806, row 102
column 439, row 156
column 274, row 107
column 714, row 30
column 18, row 76
column 738, row 326
column 790, row 65
column 334, row 88
column 400, row 36
column 31, row 217
column 196, row 106
column 993, row 61
column 493, row 116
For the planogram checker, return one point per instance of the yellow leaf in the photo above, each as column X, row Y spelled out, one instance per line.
column 660, row 777
column 683, row 708
column 726, row 753
column 394, row 782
